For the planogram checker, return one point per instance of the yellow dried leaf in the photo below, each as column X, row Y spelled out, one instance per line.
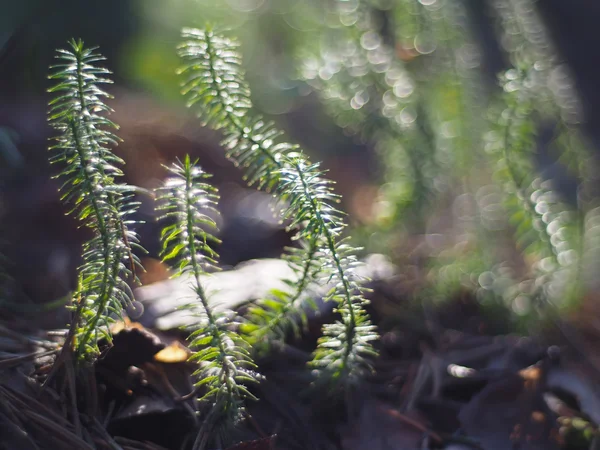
column 174, row 353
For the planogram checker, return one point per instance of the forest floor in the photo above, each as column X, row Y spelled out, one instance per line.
column 448, row 377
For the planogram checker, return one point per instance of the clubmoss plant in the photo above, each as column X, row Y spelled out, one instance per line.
column 82, row 148
column 225, row 366
column 187, row 204
column 215, row 85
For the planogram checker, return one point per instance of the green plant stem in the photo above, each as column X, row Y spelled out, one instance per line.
column 313, row 247
column 230, row 117
column 200, row 289
column 331, row 244
column 85, row 162
column 111, row 199
column 107, row 287
column 350, row 326
column 301, row 285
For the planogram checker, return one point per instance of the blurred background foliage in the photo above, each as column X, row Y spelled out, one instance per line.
column 461, row 133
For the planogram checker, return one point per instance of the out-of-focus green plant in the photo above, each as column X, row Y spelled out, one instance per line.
column 370, row 93
column 405, row 77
